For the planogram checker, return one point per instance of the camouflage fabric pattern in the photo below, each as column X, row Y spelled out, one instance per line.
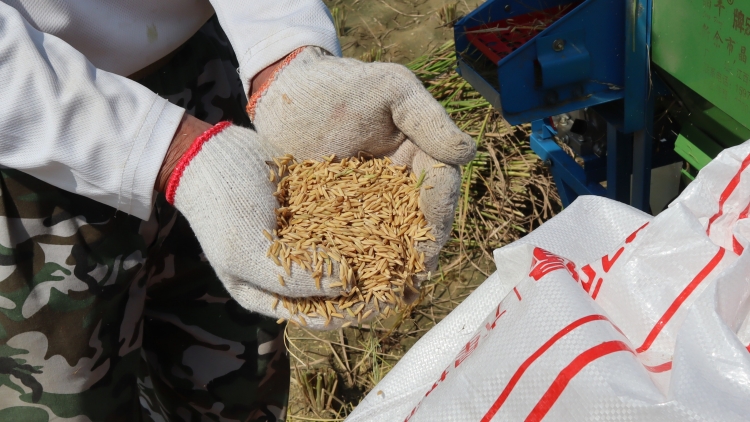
column 105, row 317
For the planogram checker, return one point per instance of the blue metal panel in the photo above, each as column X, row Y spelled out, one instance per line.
column 619, row 163
column 590, row 100
column 637, row 64
column 596, row 27
column 571, row 179
column 479, row 83
column 642, row 162
column 563, row 59
column 596, row 55
column 639, row 98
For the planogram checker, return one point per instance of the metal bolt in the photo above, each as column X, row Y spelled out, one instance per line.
column 558, row 45
column 507, row 8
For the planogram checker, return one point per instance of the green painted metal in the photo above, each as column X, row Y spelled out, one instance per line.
column 700, row 113
column 705, row 44
column 705, row 130
column 692, row 153
column 687, row 176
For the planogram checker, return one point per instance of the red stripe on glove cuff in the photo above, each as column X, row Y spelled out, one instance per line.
column 195, row 148
column 253, row 101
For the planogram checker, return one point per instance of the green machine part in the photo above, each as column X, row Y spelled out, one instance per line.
column 700, row 49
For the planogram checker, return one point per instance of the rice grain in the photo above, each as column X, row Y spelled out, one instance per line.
column 362, row 214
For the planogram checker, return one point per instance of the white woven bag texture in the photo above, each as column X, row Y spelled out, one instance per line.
column 602, row 313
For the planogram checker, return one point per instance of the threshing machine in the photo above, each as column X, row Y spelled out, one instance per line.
column 622, row 95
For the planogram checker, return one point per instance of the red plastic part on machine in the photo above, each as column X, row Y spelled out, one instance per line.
column 498, row 39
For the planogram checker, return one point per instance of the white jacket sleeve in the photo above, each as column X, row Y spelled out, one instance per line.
column 262, row 32
column 76, row 127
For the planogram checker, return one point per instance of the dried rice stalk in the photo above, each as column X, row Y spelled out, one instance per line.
column 363, row 214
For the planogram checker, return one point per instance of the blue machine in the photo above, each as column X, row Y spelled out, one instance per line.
column 536, row 59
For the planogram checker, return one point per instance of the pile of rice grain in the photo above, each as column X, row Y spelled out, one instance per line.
column 363, row 214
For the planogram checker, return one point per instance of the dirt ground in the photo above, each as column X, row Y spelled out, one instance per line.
column 400, row 30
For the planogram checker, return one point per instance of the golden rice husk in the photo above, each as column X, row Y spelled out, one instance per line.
column 362, row 214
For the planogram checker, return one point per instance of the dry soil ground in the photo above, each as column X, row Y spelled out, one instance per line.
column 400, row 30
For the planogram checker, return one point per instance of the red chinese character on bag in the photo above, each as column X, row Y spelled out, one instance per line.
column 467, row 350
column 545, row 262
column 491, row 325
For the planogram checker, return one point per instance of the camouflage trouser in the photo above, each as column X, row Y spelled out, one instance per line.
column 105, row 317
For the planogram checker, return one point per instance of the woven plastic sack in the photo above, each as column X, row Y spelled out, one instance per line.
column 603, row 313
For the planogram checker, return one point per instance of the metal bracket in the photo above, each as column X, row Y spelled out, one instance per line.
column 571, row 178
column 562, row 59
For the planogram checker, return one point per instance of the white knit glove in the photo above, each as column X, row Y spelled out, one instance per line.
column 221, row 186
column 316, row 105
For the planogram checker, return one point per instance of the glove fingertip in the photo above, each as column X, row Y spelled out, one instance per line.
column 462, row 149
column 426, row 123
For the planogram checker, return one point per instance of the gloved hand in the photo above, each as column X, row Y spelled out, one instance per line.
column 221, row 185
column 315, row 105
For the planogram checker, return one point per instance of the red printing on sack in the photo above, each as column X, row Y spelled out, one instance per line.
column 736, row 246
column 607, row 264
column 680, row 299
column 466, row 351
column 563, row 378
column 591, row 274
column 525, row 365
column 664, row 367
column 633, row 235
column 727, row 192
column 518, row 295
column 498, row 314
column 545, row 262
column 596, row 289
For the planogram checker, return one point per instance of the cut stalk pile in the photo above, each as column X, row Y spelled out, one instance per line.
column 362, row 214
column 506, row 191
